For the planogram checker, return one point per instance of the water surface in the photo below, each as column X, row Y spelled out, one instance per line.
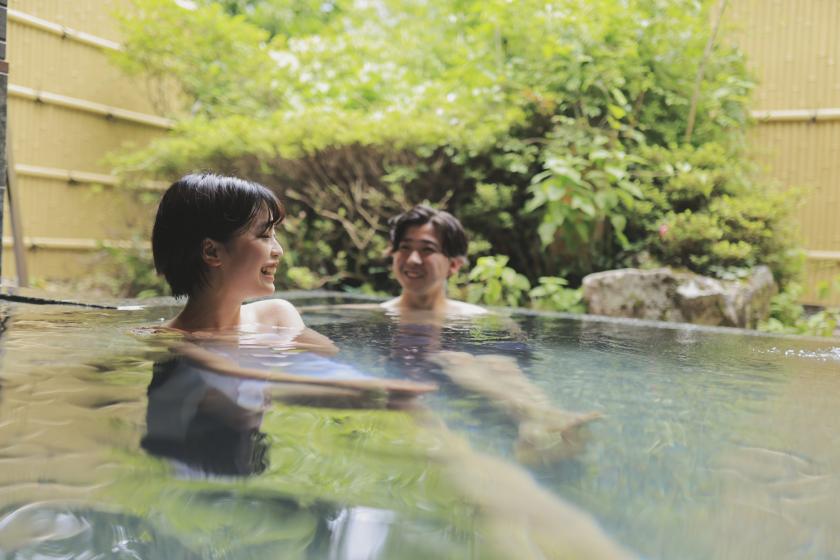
column 713, row 443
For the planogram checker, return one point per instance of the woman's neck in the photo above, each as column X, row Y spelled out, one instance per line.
column 208, row 311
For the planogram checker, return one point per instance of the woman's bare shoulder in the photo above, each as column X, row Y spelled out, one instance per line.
column 272, row 312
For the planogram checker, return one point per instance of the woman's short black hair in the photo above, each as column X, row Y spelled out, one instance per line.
column 453, row 238
column 204, row 206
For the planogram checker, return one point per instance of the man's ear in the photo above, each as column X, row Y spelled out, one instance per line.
column 455, row 264
column 210, row 253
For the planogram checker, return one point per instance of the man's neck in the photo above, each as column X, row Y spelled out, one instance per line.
column 434, row 301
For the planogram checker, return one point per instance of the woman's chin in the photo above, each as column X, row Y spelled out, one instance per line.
column 267, row 286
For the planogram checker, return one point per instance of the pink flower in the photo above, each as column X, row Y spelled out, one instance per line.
column 663, row 231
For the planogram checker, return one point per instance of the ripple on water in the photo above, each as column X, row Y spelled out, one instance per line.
column 712, row 445
column 57, row 530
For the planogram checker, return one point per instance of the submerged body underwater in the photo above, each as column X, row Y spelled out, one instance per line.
column 698, row 443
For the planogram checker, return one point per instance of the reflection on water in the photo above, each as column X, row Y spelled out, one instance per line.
column 208, row 425
column 205, row 423
column 711, row 445
column 359, row 532
column 54, row 530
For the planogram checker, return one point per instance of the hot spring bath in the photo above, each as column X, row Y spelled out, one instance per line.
column 713, row 444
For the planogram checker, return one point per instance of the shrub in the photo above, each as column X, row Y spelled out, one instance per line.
column 787, row 316
column 554, row 137
column 553, row 295
column 492, row 282
column 705, row 212
column 129, row 272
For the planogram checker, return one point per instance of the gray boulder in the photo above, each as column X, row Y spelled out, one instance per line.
column 668, row 295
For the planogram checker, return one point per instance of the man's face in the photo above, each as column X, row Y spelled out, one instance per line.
column 419, row 264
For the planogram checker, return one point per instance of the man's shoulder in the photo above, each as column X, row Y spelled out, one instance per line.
column 453, row 307
column 391, row 303
column 456, row 307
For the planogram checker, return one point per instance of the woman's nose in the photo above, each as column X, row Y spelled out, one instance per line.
column 414, row 257
column 277, row 249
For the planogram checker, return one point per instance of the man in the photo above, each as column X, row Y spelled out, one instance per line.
column 428, row 246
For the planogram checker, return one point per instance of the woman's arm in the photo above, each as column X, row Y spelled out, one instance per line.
column 393, row 388
column 314, row 341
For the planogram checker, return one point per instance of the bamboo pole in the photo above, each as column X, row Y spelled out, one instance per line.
column 815, row 255
column 73, row 244
column 60, row 30
column 106, row 111
column 701, row 70
column 68, row 175
column 796, row 115
column 73, row 176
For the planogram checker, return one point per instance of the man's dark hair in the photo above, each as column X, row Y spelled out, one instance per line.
column 453, row 238
column 204, row 206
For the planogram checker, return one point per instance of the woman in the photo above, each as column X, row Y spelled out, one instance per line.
column 214, row 242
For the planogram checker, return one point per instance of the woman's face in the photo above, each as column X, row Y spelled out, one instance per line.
column 249, row 260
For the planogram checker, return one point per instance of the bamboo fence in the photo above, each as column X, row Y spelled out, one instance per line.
column 69, row 107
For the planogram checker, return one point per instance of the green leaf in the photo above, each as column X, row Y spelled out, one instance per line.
column 546, row 231
column 617, row 112
column 618, row 96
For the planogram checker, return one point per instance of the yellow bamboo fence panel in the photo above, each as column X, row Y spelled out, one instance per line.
column 68, row 107
column 793, row 48
column 92, row 16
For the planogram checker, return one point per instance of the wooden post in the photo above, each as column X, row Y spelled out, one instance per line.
column 7, row 176
column 4, row 82
column 14, row 216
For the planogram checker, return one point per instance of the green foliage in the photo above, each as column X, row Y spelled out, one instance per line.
column 702, row 210
column 320, row 462
column 553, row 294
column 787, row 316
column 223, row 64
column 130, row 273
column 827, row 288
column 585, row 183
column 492, row 282
column 554, row 137
column 282, row 17
column 302, row 277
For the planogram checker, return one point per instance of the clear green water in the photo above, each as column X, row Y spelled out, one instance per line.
column 713, row 444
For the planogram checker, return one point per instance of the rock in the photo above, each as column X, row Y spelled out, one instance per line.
column 667, row 295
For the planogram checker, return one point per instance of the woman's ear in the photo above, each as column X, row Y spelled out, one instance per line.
column 210, row 253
